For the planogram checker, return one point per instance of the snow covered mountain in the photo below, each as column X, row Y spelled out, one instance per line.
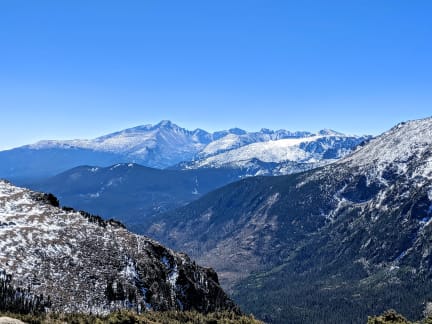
column 74, row 262
column 406, row 147
column 345, row 240
column 168, row 145
column 159, row 145
column 275, row 153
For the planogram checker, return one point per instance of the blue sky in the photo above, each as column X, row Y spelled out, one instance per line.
column 74, row 69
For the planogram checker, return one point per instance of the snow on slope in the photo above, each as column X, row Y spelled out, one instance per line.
column 135, row 140
column 396, row 148
column 227, row 142
column 270, row 151
column 236, row 139
column 73, row 259
column 322, row 148
column 161, row 145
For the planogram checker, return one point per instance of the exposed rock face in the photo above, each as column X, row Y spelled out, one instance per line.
column 85, row 264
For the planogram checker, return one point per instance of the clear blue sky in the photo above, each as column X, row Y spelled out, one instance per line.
column 74, row 69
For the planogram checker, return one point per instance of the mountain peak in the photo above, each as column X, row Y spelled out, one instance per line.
column 165, row 124
column 237, row 131
column 329, row 132
column 266, row 131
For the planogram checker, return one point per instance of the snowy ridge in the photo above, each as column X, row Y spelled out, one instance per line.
column 291, row 154
column 404, row 144
column 100, row 265
column 237, row 138
column 270, row 151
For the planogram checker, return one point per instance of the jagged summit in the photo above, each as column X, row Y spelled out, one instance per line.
column 331, row 132
column 85, row 264
column 165, row 123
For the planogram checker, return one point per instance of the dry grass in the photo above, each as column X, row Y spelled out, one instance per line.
column 146, row 318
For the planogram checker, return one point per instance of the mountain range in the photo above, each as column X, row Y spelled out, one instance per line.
column 328, row 245
column 178, row 165
column 166, row 145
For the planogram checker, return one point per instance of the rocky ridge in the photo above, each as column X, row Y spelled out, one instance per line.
column 85, row 264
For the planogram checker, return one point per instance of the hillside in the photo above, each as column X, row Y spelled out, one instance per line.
column 131, row 192
column 348, row 238
column 75, row 262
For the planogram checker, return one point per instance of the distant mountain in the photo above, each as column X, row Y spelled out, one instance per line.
column 75, row 262
column 131, row 192
column 24, row 163
column 275, row 153
column 330, row 245
column 158, row 146
column 166, row 145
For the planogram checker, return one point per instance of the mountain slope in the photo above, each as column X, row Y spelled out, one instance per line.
column 84, row 264
column 343, row 241
column 158, row 146
column 131, row 192
column 276, row 153
column 235, row 138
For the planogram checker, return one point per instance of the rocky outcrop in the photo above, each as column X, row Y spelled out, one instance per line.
column 80, row 263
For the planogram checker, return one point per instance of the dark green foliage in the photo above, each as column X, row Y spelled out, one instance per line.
column 392, row 317
column 389, row 317
column 18, row 300
column 96, row 218
column 286, row 297
column 52, row 200
column 116, row 292
column 47, row 198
